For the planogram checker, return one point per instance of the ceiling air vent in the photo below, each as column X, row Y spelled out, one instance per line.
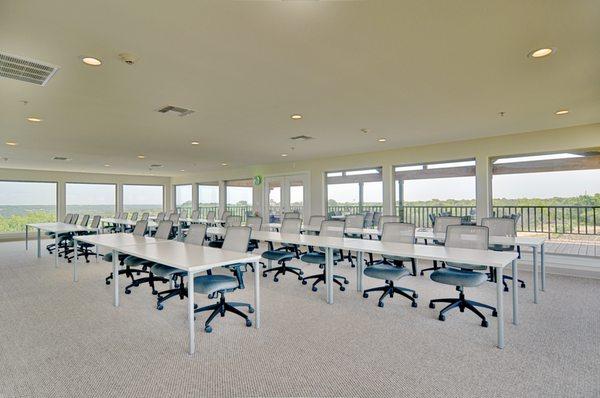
column 60, row 158
column 175, row 109
column 301, row 138
column 25, row 70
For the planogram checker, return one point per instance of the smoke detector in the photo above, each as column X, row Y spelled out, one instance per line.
column 128, row 58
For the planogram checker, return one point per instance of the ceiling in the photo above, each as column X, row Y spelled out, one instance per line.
column 414, row 72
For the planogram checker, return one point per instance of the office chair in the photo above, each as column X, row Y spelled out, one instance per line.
column 284, row 254
column 439, row 227
column 174, row 218
column 291, row 214
column 255, row 223
column 52, row 235
column 195, row 214
column 392, row 268
column 236, row 239
column 160, row 216
column 196, row 235
column 134, row 216
column 230, row 221
column 463, row 275
column 376, row 217
column 124, row 215
column 66, row 242
column 145, row 216
column 74, row 219
column 162, row 232
column 316, row 220
column 334, row 229
column 84, row 249
column 210, row 217
column 353, row 221
column 380, row 223
column 503, row 227
column 139, row 230
column 368, row 220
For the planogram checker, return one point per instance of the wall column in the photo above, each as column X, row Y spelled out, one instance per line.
column 483, row 183
column 387, row 176
column 222, row 198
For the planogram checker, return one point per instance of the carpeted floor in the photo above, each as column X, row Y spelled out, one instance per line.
column 60, row 339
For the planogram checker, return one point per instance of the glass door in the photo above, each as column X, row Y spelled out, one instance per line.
column 273, row 199
column 284, row 194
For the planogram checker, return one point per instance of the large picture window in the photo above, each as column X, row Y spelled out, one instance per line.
column 92, row 199
column 183, row 199
column 143, row 198
column 24, row 203
column 354, row 191
column 239, row 197
column 208, row 198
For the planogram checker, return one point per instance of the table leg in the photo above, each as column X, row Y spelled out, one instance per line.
column 543, row 266
column 75, row 276
column 256, row 295
column 359, row 271
column 96, row 247
column 115, row 260
column 191, row 322
column 499, row 307
column 515, row 293
column 535, row 289
column 26, row 237
column 269, row 264
column 329, row 274
column 180, row 232
column 56, row 240
column 39, row 243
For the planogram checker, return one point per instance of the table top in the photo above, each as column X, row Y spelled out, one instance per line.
column 122, row 221
column 116, row 240
column 60, row 227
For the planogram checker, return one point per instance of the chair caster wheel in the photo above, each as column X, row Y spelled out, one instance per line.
column 207, row 329
column 299, row 278
column 107, row 282
column 304, row 282
column 248, row 323
column 522, row 286
column 494, row 313
column 195, row 306
column 422, row 273
column 365, row 295
column 342, row 288
column 159, row 307
column 127, row 291
column 264, row 274
column 346, row 282
column 380, row 304
column 484, row 324
column 415, row 295
column 301, row 272
column 506, row 289
column 275, row 279
column 442, row 318
column 314, row 288
column 155, row 292
column 414, row 304
column 431, row 305
column 250, row 310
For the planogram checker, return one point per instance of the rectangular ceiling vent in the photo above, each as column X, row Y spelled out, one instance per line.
column 26, row 70
column 60, row 158
column 175, row 109
column 301, row 138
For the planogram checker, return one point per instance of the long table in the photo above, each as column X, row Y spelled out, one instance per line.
column 496, row 260
column 58, row 229
column 187, row 257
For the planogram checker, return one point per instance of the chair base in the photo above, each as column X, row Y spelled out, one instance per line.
column 282, row 269
column 462, row 303
column 150, row 279
column 221, row 308
column 337, row 279
column 434, row 268
column 389, row 290
column 492, row 278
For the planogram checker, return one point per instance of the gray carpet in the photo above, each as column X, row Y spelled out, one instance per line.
column 60, row 339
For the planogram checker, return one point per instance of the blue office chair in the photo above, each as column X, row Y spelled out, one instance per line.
column 236, row 239
column 391, row 270
column 139, row 230
column 441, row 223
column 463, row 275
column 354, row 221
column 333, row 229
column 284, row 254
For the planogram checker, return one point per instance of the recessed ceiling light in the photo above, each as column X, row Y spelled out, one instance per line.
column 561, row 112
column 141, row 157
column 284, row 154
column 224, row 164
column 107, row 165
column 382, row 139
column 182, row 170
column 34, row 119
column 541, row 52
column 91, row 61
column 195, row 143
column 11, row 143
column 296, row 116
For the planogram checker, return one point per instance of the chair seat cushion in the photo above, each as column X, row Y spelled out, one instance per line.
column 386, row 272
column 467, row 266
column 132, row 261
column 319, row 257
column 207, row 284
column 457, row 277
column 397, row 258
column 165, row 271
column 277, row 255
column 108, row 257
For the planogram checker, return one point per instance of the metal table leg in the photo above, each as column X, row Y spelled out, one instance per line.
column 499, row 307
column 515, row 293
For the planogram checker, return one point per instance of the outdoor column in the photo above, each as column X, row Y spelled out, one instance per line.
column 222, row 198
column 387, row 177
column 483, row 182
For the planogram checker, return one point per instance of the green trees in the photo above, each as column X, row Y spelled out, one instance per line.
column 16, row 222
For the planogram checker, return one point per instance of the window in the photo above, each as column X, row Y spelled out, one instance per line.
column 24, row 203
column 91, row 199
column 442, row 188
column 354, row 191
column 208, row 198
column 143, row 198
column 239, row 197
column 183, row 199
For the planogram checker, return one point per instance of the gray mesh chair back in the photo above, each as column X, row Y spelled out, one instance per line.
column 504, row 227
column 145, row 216
column 96, row 222
column 140, row 228
column 355, row 220
column 85, row 220
column 233, row 221
column 210, row 216
column 125, row 215
column 376, row 217
column 368, row 219
column 386, row 219
column 134, row 216
column 291, row 214
column 442, row 222
column 237, row 239
column 332, row 228
column 291, row 226
column 67, row 218
column 195, row 214
column 174, row 217
column 225, row 214
column 196, row 234
column 164, row 229
column 398, row 232
column 183, row 213
column 160, row 216
column 254, row 222
column 74, row 219
column 316, row 220
column 467, row 237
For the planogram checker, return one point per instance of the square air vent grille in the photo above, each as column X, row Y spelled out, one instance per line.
column 175, row 109
column 25, row 70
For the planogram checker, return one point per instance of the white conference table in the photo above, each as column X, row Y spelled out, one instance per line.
column 494, row 259
column 58, row 229
column 536, row 243
column 187, row 257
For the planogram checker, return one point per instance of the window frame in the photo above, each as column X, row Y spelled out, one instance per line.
column 56, row 197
